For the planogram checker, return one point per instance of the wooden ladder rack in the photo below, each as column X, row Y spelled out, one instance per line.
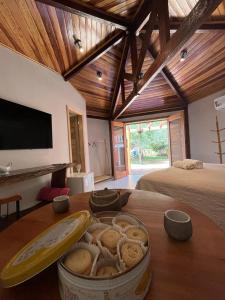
column 219, row 141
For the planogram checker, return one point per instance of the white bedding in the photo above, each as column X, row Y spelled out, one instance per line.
column 203, row 189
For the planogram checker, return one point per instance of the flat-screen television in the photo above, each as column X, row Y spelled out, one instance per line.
column 22, row 127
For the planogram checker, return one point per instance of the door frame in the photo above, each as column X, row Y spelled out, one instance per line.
column 70, row 111
column 180, row 115
column 122, row 125
column 146, row 121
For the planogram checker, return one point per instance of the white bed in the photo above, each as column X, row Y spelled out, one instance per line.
column 203, row 189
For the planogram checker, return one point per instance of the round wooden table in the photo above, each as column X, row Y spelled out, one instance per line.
column 193, row 270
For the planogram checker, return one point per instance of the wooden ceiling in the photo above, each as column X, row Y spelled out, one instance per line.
column 181, row 8
column 45, row 34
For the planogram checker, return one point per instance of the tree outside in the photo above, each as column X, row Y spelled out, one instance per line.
column 149, row 142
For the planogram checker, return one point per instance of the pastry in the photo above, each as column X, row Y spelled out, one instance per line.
column 107, row 271
column 123, row 224
column 136, row 233
column 79, row 261
column 95, row 233
column 131, row 253
column 110, row 240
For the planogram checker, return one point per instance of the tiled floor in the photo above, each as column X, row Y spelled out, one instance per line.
column 144, row 169
column 128, row 182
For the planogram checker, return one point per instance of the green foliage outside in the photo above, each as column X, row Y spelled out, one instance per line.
column 148, row 145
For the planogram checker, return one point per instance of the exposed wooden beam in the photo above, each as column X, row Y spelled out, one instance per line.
column 116, row 38
column 120, row 75
column 168, row 76
column 134, row 56
column 141, row 16
column 164, row 23
column 217, row 26
column 201, row 12
column 129, row 77
column 123, row 91
column 90, row 116
column 153, row 112
column 145, row 40
column 85, row 9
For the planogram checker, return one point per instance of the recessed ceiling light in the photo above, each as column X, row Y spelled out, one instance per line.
column 183, row 54
column 99, row 75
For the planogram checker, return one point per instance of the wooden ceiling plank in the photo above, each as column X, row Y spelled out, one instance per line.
column 120, row 75
column 85, row 9
column 97, row 53
column 164, row 23
column 202, row 10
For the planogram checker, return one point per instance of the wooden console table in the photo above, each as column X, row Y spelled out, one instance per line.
column 191, row 270
column 58, row 171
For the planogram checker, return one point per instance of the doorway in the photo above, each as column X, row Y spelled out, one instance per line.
column 76, row 140
column 145, row 146
column 148, row 146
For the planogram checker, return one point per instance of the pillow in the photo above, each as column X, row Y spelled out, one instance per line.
column 49, row 193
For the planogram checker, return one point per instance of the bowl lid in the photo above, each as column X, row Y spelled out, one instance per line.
column 45, row 249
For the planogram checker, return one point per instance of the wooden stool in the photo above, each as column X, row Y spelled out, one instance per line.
column 15, row 198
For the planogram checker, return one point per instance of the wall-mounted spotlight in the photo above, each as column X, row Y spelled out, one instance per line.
column 77, row 43
column 99, row 75
column 141, row 75
column 183, row 54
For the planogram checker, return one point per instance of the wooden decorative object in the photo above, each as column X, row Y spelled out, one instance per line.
column 219, row 142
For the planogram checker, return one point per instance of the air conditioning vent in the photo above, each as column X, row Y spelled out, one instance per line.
column 220, row 103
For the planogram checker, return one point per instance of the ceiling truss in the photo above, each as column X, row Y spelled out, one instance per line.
column 199, row 14
column 152, row 15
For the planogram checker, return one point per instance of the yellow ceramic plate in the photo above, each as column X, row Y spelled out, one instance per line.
column 45, row 249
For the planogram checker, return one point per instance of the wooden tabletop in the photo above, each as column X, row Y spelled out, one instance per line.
column 191, row 270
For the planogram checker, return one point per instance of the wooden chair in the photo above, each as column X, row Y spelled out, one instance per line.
column 15, row 198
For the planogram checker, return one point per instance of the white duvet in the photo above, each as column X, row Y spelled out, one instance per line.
column 203, row 189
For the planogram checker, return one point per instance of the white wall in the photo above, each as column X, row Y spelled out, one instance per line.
column 28, row 83
column 99, row 146
column 202, row 119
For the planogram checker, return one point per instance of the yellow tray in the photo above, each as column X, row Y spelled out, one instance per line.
column 45, row 249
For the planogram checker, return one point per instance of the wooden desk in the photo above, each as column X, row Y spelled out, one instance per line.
column 192, row 270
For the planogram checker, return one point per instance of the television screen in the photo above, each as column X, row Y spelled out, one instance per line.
column 22, row 127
